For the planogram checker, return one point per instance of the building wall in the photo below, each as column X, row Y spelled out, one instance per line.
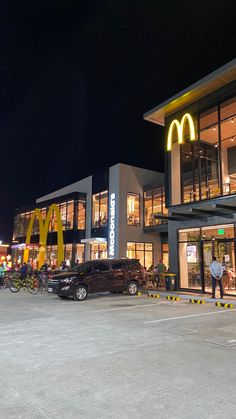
column 125, row 179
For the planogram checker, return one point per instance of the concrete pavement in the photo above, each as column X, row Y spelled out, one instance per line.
column 115, row 356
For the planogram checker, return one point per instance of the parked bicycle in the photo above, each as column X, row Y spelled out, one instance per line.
column 29, row 283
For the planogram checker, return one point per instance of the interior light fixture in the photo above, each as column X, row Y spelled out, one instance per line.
column 232, row 120
column 232, row 139
column 214, row 128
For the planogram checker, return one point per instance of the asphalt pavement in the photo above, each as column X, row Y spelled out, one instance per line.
column 115, row 357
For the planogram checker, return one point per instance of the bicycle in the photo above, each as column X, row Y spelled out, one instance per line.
column 28, row 283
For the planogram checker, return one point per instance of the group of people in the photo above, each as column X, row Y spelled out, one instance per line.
column 157, row 273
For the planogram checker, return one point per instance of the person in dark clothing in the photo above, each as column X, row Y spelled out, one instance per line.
column 23, row 271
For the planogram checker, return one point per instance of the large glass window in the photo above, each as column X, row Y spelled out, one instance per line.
column 81, row 215
column 228, row 145
column 100, row 209
column 141, row 251
column 133, row 209
column 98, row 251
column 154, row 205
column 212, row 157
column 79, row 255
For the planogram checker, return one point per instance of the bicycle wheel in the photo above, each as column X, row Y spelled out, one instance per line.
column 15, row 285
column 33, row 286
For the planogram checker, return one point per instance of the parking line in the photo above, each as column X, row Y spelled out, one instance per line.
column 126, row 308
column 190, row 315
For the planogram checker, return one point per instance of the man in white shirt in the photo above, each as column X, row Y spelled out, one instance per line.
column 216, row 275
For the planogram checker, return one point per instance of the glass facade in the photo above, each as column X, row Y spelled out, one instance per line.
column 207, row 165
column 67, row 210
column 133, row 209
column 141, row 251
column 197, row 246
column 100, row 209
column 98, row 251
column 154, row 205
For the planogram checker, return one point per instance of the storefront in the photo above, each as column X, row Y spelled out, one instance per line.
column 200, row 138
column 109, row 214
column 196, row 248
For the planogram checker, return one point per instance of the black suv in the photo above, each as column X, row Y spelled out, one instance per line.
column 114, row 275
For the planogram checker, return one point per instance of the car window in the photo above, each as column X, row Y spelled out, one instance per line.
column 117, row 265
column 101, row 266
column 82, row 268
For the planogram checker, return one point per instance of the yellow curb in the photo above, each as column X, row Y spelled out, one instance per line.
column 170, row 297
column 193, row 301
column 225, row 305
column 139, row 293
column 154, row 295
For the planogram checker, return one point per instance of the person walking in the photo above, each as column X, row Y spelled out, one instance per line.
column 216, row 276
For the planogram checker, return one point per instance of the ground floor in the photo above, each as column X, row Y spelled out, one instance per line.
column 192, row 255
column 135, row 357
column 147, row 252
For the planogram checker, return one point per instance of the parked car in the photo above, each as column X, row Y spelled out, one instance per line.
column 114, row 275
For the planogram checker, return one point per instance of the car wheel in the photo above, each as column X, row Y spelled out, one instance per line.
column 80, row 293
column 132, row 288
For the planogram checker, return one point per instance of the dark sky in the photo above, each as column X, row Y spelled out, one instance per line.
column 76, row 77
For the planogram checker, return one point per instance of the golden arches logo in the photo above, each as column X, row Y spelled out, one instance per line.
column 180, row 129
column 43, row 233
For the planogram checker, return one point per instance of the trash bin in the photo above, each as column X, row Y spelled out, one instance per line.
column 170, row 282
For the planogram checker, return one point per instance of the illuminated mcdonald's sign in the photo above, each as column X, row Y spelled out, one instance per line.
column 43, row 232
column 180, row 130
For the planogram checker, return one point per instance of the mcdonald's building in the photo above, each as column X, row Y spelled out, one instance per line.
column 200, row 169
column 108, row 214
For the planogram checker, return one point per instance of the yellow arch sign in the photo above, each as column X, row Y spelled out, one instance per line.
column 43, row 232
column 180, row 129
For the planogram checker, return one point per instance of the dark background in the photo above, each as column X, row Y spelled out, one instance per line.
column 76, row 78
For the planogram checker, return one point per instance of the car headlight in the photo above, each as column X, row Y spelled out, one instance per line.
column 67, row 280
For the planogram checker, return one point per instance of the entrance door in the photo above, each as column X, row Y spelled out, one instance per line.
column 224, row 250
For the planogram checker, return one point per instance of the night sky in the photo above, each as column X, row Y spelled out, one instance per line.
column 77, row 76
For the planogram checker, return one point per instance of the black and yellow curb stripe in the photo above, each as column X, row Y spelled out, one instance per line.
column 154, row 295
column 225, row 305
column 170, row 297
column 193, row 301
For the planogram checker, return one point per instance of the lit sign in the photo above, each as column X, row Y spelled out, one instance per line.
column 192, row 254
column 112, row 232
column 43, row 232
column 221, row 231
column 180, row 130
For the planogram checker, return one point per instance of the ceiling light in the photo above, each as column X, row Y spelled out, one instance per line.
column 232, row 120
column 214, row 128
column 232, row 139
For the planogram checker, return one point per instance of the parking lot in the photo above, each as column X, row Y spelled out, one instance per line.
column 115, row 356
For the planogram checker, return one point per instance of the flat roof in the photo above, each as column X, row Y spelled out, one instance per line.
column 203, row 87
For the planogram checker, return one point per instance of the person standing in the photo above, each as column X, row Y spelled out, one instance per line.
column 216, row 276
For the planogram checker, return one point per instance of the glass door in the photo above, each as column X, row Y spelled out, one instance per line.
column 224, row 250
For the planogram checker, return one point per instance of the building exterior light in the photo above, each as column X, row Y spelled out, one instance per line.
column 180, row 130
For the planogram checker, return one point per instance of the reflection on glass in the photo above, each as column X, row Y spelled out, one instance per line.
column 81, row 215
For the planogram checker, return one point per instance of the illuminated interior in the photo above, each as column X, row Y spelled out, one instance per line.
column 100, row 209
column 207, row 241
column 133, row 209
column 154, row 204
column 203, row 161
column 141, row 251
column 98, row 251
